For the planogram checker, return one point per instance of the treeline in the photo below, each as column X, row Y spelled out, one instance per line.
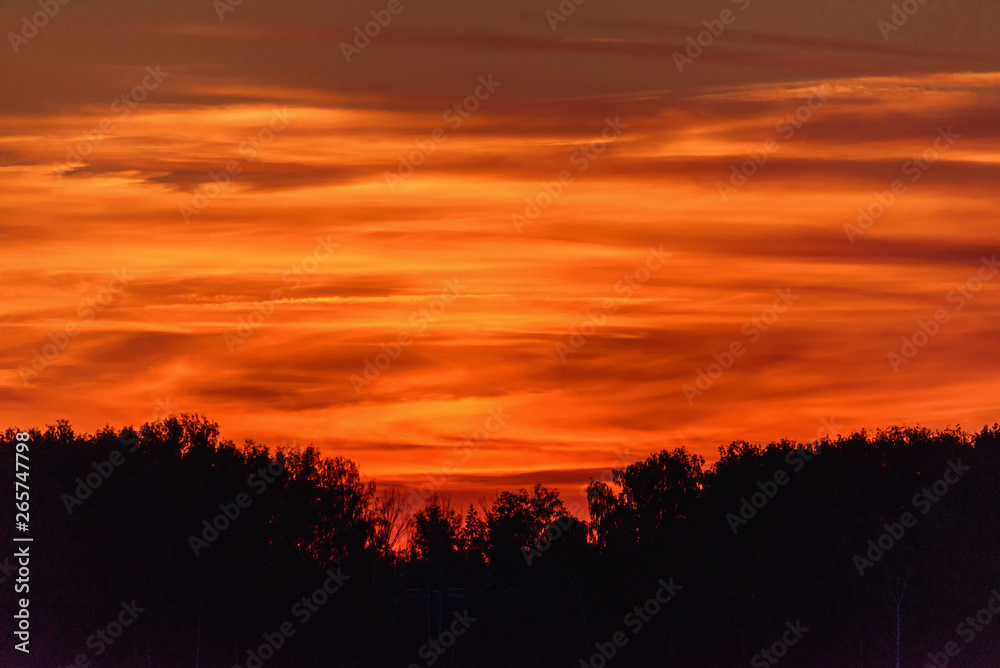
column 165, row 546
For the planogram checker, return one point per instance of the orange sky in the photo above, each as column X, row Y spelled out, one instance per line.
column 330, row 259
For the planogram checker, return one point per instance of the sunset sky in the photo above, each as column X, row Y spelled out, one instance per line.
column 328, row 247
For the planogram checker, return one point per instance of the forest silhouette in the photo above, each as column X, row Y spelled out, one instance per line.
column 873, row 549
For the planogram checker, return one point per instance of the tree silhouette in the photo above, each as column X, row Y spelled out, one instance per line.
column 809, row 513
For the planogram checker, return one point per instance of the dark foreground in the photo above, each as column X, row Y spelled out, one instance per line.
column 168, row 548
